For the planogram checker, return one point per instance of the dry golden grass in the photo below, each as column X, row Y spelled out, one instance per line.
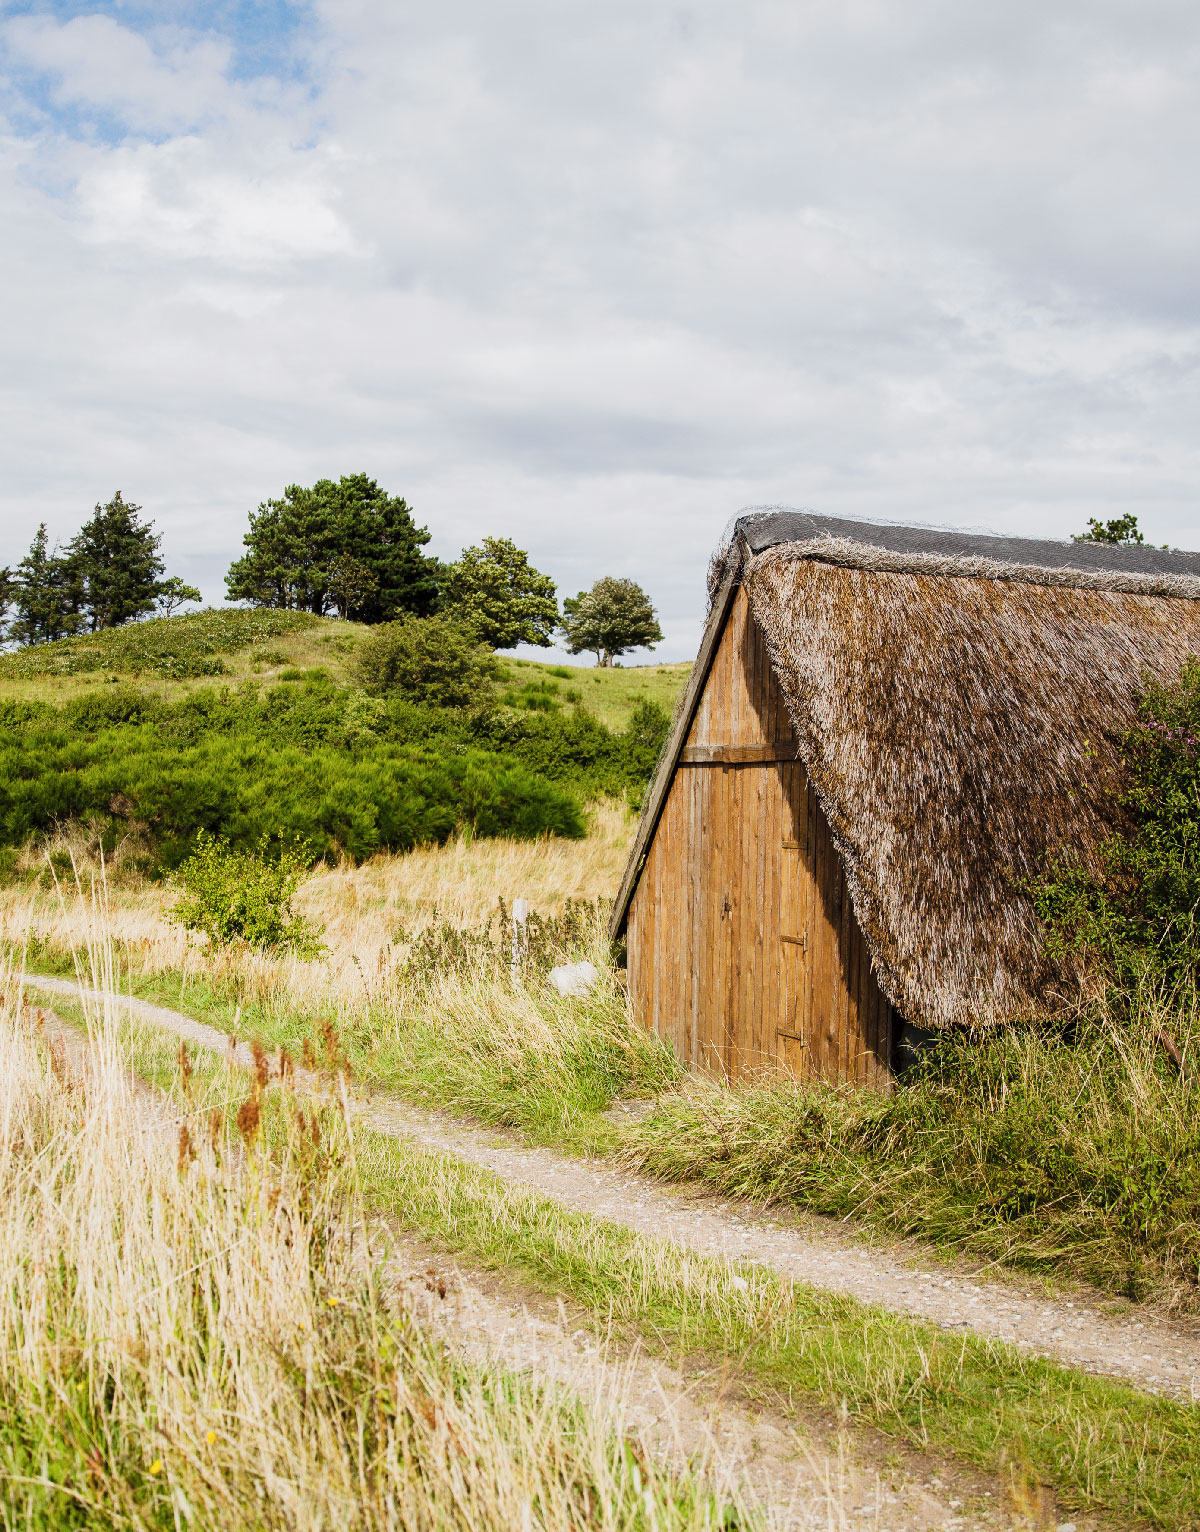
column 190, row 1336
column 370, row 912
column 459, row 883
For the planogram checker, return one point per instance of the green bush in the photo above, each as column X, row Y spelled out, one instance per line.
column 1134, row 913
column 245, row 896
column 174, row 774
column 539, row 696
column 429, row 659
column 348, row 771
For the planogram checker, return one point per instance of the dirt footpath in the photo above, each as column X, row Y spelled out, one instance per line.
column 794, row 1472
column 1156, row 1354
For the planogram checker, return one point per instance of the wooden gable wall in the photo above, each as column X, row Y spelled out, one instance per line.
column 743, row 946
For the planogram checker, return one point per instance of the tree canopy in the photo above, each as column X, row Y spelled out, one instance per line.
column 116, row 566
column 107, row 575
column 496, row 591
column 1121, row 529
column 346, row 547
column 46, row 597
column 610, row 619
column 174, row 593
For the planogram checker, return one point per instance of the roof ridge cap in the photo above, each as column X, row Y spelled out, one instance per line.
column 851, row 553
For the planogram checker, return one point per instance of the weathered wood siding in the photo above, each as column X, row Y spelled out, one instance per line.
column 743, row 947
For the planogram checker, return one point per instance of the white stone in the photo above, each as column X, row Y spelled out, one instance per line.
column 574, row 978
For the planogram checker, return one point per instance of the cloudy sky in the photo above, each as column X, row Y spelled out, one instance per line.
column 596, row 276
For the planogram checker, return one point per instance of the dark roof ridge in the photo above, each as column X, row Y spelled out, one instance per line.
column 986, row 555
column 858, row 555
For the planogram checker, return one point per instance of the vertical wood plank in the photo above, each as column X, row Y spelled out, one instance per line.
column 721, row 985
column 698, row 851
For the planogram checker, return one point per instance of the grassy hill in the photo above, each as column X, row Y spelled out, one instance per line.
column 175, row 656
column 249, row 725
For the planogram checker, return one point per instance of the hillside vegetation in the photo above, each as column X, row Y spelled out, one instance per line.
column 175, row 656
column 151, row 733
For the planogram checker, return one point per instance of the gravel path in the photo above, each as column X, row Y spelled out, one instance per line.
column 1156, row 1354
column 798, row 1474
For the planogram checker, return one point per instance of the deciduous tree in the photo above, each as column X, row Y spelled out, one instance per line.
column 610, row 619
column 172, row 594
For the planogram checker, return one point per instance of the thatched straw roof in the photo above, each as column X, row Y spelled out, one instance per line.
column 958, row 701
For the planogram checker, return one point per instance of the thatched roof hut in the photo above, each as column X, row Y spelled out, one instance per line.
column 898, row 724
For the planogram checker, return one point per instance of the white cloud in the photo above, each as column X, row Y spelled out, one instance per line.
column 157, row 85
column 594, row 277
column 174, row 200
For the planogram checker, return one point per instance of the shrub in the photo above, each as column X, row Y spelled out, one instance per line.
column 1134, row 912
column 232, row 896
column 431, row 660
column 177, row 773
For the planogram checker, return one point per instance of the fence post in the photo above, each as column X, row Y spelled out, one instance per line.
column 520, row 935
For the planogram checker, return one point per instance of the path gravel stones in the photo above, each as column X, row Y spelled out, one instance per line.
column 1156, row 1354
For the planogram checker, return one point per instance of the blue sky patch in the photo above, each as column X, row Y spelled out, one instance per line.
column 267, row 39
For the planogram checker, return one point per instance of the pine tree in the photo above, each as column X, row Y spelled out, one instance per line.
column 47, row 595
column 348, row 547
column 116, row 559
column 496, row 592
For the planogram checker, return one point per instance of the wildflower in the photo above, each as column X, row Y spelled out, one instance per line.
column 249, row 1117
column 156, row 1466
column 186, row 1069
column 333, row 1302
column 210, row 1437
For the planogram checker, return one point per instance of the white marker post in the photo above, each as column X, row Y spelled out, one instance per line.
column 520, row 937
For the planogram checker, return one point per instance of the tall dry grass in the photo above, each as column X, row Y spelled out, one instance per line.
column 417, row 1011
column 371, row 913
column 194, row 1334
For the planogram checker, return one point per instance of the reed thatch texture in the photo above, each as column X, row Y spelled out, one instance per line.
column 957, row 725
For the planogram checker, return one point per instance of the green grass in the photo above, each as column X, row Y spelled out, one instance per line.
column 1075, row 1157
column 176, row 648
column 172, row 657
column 1076, row 1160
column 610, row 692
column 464, row 1045
column 1100, row 1444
